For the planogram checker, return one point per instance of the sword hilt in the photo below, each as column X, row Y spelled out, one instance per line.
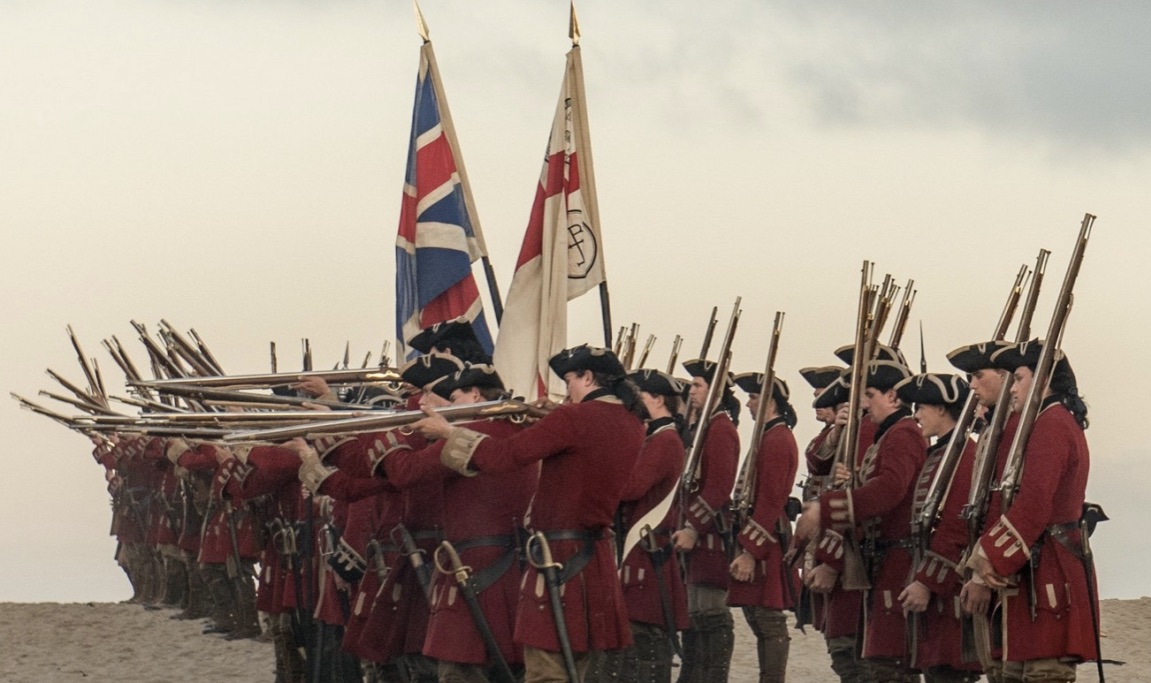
column 538, row 541
column 458, row 569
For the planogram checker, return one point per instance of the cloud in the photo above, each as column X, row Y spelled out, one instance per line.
column 1046, row 72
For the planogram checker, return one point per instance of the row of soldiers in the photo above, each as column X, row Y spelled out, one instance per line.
column 567, row 547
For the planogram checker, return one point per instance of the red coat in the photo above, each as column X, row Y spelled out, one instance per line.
column 376, row 624
column 777, row 463
column 841, row 607
column 880, row 503
column 707, row 563
column 588, row 451
column 273, row 471
column 656, row 475
column 940, row 632
column 484, row 506
column 1051, row 493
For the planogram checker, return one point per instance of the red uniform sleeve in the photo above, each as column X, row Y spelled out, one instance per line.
column 550, row 436
column 720, row 460
column 938, row 570
column 1049, row 460
column 775, row 473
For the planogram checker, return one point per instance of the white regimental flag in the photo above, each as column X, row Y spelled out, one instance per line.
column 562, row 253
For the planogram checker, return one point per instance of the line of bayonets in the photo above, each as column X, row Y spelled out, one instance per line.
column 191, row 396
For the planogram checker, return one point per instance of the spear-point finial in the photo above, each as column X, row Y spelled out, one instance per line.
column 421, row 25
column 573, row 26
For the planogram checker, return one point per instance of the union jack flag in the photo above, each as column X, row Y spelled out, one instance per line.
column 437, row 242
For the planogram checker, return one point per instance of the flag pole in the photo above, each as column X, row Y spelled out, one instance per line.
column 587, row 176
column 450, row 134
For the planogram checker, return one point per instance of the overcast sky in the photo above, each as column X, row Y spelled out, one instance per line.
column 237, row 167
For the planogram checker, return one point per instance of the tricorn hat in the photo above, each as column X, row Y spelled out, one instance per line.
column 443, row 334
column 657, row 383
column 835, row 393
column 882, row 352
column 442, row 387
column 701, row 367
column 584, row 357
column 820, row 377
column 975, row 357
column 478, row 375
column 423, row 370
column 885, row 374
column 752, row 382
column 933, row 388
column 1020, row 355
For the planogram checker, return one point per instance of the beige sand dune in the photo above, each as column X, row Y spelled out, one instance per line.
column 48, row 642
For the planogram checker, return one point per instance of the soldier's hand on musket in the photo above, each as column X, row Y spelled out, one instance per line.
column 842, row 474
column 914, row 598
column 434, row 426
column 742, row 567
column 807, row 526
column 685, row 539
column 979, row 563
column 841, row 415
column 315, row 387
column 975, row 598
column 303, row 449
column 223, row 454
column 821, row 578
column 316, row 406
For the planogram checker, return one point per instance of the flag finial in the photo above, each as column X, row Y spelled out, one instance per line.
column 421, row 25
column 573, row 26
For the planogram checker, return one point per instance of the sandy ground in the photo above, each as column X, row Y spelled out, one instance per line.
column 45, row 642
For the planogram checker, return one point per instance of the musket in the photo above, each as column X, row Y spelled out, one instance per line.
column 150, row 405
column 393, row 419
column 82, row 405
column 743, row 497
column 347, row 353
column 708, row 334
column 93, row 384
column 854, row 573
column 901, row 318
column 923, row 350
column 674, row 354
column 646, row 351
column 1013, row 471
column 618, row 348
column 632, row 337
column 691, row 472
column 185, row 349
column 986, row 451
column 202, row 394
column 307, row 344
column 159, row 358
column 367, row 359
column 116, row 350
column 539, row 554
column 68, row 422
column 272, row 350
column 277, row 379
column 99, row 381
column 385, row 360
column 205, row 353
column 80, row 394
column 465, row 579
column 927, row 518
